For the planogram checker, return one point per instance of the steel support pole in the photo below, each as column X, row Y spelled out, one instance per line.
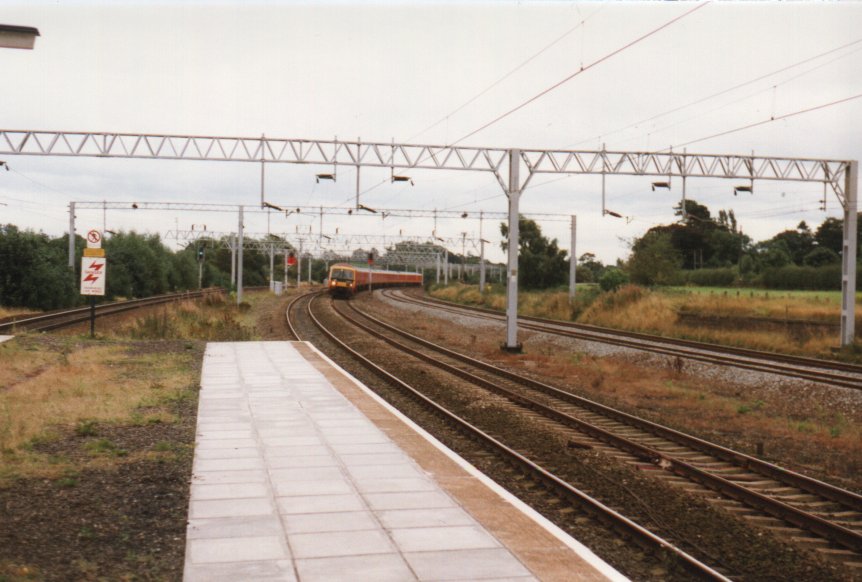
column 239, row 244
column 299, row 265
column 271, row 267
column 232, row 261
column 309, row 270
column 481, row 266
column 848, row 256
column 72, row 235
column 437, row 262
column 446, row 267
column 573, row 263
column 514, row 234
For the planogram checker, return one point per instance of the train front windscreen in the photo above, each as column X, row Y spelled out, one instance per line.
column 341, row 275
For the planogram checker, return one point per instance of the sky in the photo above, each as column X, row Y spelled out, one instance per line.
column 429, row 73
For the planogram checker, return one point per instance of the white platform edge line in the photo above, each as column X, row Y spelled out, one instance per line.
column 576, row 546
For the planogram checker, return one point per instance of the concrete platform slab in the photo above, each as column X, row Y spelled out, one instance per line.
column 301, row 473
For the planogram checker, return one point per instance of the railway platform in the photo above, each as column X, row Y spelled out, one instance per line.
column 302, row 473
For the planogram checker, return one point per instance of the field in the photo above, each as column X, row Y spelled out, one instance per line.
column 798, row 322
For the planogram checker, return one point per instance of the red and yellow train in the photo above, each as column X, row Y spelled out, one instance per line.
column 346, row 281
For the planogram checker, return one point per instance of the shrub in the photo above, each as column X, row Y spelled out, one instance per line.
column 724, row 277
column 613, row 279
column 804, row 278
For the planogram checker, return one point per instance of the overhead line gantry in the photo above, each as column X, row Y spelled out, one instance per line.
column 505, row 164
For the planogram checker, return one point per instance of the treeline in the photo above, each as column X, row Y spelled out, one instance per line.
column 706, row 251
column 34, row 271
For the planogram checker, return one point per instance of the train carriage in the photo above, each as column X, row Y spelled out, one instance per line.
column 347, row 280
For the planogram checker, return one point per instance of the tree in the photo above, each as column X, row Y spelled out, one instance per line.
column 830, row 234
column 588, row 261
column 612, row 279
column 654, row 260
column 33, row 272
column 821, row 256
column 541, row 263
column 798, row 242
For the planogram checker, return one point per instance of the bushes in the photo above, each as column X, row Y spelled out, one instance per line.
column 725, row 277
column 612, row 279
column 804, row 278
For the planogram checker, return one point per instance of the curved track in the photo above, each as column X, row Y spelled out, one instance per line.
column 68, row 317
column 811, row 369
column 815, row 514
column 650, row 542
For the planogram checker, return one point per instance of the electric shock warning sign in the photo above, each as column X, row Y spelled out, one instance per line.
column 93, row 275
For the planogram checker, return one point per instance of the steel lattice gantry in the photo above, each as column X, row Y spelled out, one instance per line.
column 506, row 164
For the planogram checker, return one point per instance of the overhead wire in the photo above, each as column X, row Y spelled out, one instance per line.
column 507, row 75
column 769, row 120
column 580, row 71
column 723, row 92
column 748, row 96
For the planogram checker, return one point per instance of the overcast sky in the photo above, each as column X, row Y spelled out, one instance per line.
column 392, row 70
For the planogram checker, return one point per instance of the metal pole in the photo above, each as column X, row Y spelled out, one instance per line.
column 262, row 165
column 232, row 261
column 848, row 255
column 481, row 265
column 514, row 234
column 200, row 274
column 72, row 235
column 309, row 270
column 573, row 263
column 358, row 148
column 271, row 267
column 299, row 265
column 239, row 245
column 446, row 267
column 437, row 263
column 286, row 266
column 92, row 316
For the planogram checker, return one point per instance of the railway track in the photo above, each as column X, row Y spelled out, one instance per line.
column 68, row 317
column 811, row 369
column 812, row 513
column 518, row 462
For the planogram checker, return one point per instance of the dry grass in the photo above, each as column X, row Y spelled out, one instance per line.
column 729, row 303
column 90, row 383
column 658, row 312
column 10, row 311
column 549, row 304
column 211, row 320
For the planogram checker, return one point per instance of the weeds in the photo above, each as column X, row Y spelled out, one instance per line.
column 86, row 428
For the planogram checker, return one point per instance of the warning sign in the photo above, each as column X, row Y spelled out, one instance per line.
column 94, row 239
column 93, row 275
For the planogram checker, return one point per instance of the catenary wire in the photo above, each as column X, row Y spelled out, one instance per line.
column 722, row 92
column 506, row 76
column 765, row 121
column 578, row 72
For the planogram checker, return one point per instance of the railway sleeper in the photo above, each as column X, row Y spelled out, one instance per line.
column 809, row 542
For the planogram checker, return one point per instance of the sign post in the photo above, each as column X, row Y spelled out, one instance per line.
column 93, row 269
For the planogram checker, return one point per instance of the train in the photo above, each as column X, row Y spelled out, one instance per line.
column 346, row 280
